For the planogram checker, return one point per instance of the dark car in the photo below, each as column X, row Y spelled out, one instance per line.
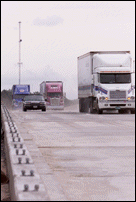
column 34, row 102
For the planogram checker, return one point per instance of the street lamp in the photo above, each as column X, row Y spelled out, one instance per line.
column 20, row 40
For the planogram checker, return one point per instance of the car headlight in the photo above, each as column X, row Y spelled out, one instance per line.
column 42, row 103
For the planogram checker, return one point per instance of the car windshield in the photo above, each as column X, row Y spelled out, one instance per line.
column 115, row 78
column 34, row 98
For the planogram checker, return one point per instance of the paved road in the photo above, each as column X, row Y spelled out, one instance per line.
column 91, row 156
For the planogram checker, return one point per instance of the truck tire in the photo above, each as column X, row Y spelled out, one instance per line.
column 98, row 110
column 92, row 110
column 84, row 105
column 80, row 105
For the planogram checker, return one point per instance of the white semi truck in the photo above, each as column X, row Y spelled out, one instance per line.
column 105, row 82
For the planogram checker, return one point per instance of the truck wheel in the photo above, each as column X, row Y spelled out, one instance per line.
column 91, row 106
column 80, row 109
column 99, row 111
column 86, row 105
column 81, row 106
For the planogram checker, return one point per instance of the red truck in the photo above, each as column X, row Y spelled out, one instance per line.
column 52, row 91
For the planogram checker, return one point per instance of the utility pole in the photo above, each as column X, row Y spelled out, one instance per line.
column 20, row 40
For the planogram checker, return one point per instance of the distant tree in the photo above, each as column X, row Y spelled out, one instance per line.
column 6, row 97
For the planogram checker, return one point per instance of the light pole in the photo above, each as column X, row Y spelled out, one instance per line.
column 20, row 40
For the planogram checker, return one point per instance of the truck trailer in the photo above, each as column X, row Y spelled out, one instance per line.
column 105, row 82
column 18, row 93
column 52, row 92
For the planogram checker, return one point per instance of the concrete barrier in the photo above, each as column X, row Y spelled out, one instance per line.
column 24, row 181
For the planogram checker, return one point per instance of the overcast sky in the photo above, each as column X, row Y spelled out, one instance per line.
column 55, row 33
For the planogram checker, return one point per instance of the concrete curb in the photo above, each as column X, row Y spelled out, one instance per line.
column 24, row 180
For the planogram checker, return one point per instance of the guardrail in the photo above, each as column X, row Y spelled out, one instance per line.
column 24, row 181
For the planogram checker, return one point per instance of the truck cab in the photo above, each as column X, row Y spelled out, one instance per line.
column 113, row 87
column 53, row 93
column 18, row 93
column 105, row 82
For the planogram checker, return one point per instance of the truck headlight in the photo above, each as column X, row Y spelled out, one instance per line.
column 131, row 98
column 103, row 98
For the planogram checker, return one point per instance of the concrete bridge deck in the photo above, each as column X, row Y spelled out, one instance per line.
column 74, row 156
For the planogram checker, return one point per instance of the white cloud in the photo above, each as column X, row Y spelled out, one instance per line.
column 49, row 21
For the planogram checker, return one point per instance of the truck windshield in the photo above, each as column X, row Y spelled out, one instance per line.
column 115, row 78
column 54, row 95
column 16, row 96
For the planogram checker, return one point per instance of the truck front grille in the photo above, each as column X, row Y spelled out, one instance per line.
column 117, row 94
column 55, row 101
